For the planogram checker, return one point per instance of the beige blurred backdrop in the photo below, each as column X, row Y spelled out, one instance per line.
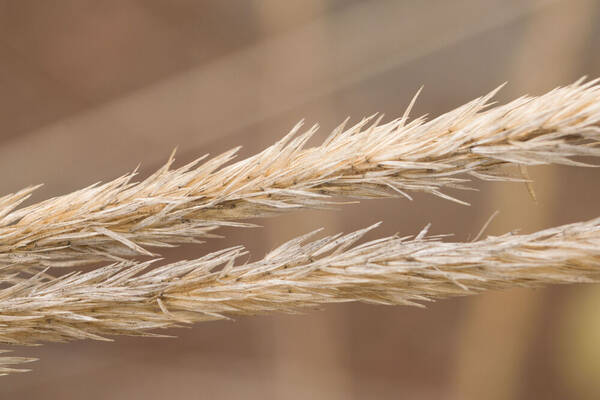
column 88, row 90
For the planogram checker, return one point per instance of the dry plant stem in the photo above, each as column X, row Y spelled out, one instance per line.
column 121, row 219
column 131, row 299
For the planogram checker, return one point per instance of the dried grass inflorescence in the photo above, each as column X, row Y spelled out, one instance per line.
column 133, row 299
column 119, row 220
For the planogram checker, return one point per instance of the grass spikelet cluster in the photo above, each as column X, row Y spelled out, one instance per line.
column 120, row 220
column 132, row 299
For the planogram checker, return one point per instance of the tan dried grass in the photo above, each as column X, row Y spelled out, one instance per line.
column 119, row 220
column 131, row 299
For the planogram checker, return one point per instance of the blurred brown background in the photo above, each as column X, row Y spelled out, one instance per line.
column 90, row 89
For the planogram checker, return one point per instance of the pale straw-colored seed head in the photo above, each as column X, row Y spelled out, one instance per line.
column 120, row 220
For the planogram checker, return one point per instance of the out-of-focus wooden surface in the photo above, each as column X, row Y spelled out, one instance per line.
column 90, row 89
